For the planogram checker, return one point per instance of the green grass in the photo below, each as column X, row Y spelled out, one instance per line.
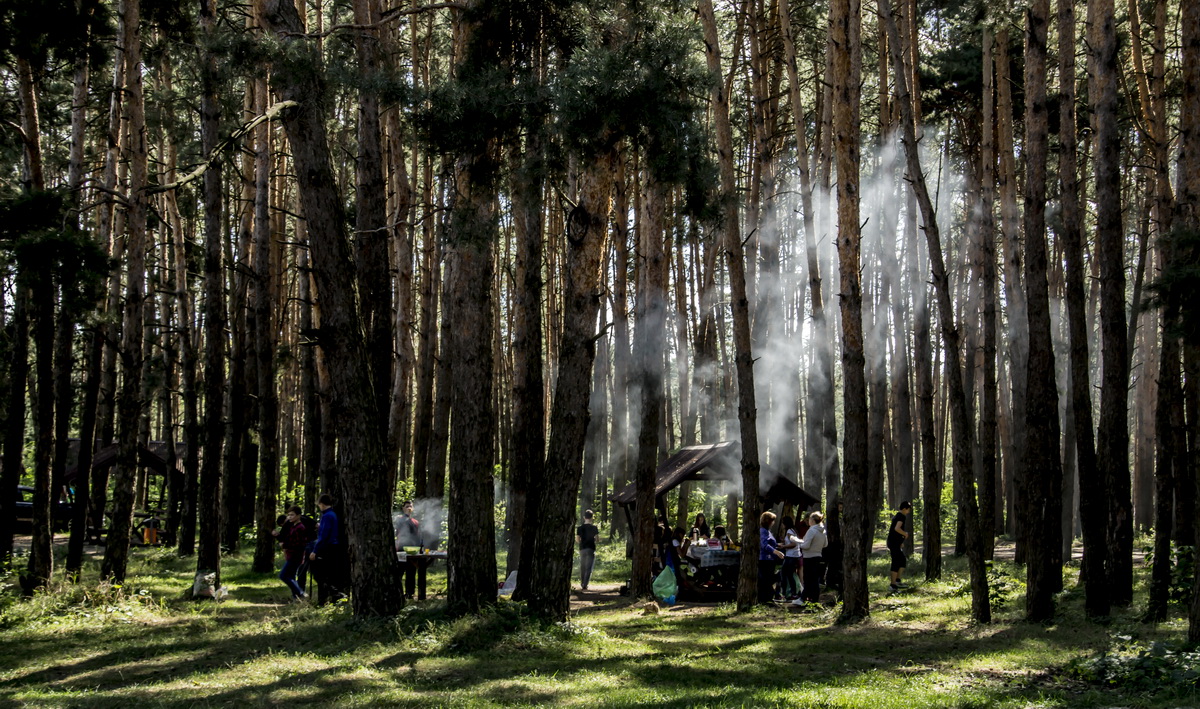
column 147, row 645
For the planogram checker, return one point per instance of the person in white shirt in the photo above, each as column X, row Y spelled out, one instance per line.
column 814, row 542
column 792, row 561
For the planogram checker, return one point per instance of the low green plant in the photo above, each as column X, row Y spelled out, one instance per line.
column 1140, row 669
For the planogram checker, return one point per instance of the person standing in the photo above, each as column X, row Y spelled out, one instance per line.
column 408, row 534
column 897, row 533
column 587, row 534
column 292, row 537
column 768, row 554
column 327, row 553
column 792, row 561
column 814, row 543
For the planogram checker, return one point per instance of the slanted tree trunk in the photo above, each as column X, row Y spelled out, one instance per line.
column 962, row 428
column 821, row 457
column 362, row 460
column 735, row 256
column 550, row 561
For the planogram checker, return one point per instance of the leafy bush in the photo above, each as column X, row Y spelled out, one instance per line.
column 1183, row 571
column 1003, row 586
column 1148, row 669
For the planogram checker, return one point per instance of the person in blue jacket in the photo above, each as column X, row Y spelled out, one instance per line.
column 327, row 554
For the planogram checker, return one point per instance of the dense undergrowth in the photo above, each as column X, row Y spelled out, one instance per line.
column 146, row 643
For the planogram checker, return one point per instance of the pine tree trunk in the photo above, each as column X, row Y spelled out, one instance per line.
column 372, row 235
column 1014, row 293
column 1040, row 505
column 962, row 427
column 41, row 557
column 550, row 557
column 1188, row 215
column 845, row 24
column 265, row 268
column 130, row 399
column 1113, row 433
column 14, row 432
column 427, row 343
column 364, row 481
column 529, row 436
column 208, row 506
column 1092, row 511
column 987, row 227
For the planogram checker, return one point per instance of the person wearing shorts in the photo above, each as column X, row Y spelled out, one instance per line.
column 897, row 533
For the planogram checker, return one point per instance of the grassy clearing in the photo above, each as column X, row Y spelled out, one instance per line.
column 145, row 644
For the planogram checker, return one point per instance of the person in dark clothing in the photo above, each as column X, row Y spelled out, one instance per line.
column 700, row 527
column 768, row 554
column 897, row 533
column 587, row 534
column 292, row 537
column 327, row 554
column 408, row 534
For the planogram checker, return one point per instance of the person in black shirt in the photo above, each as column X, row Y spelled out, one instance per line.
column 897, row 533
column 587, row 548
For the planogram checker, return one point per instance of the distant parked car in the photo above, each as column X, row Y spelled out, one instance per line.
column 62, row 511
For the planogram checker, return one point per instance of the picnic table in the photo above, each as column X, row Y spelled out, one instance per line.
column 421, row 561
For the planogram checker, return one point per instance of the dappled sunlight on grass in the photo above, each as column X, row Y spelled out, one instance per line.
column 146, row 644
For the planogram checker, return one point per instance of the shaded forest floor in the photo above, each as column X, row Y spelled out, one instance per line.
column 146, row 645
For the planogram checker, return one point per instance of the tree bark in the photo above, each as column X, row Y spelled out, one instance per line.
column 846, row 64
column 208, row 506
column 1041, row 465
column 265, row 342
column 987, row 227
column 550, row 563
column 1113, row 433
column 1014, row 293
column 1092, row 511
column 962, row 428
column 116, row 549
column 1187, row 207
column 529, row 437
column 362, row 461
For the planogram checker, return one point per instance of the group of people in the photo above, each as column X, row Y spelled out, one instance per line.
column 316, row 547
column 319, row 548
column 802, row 552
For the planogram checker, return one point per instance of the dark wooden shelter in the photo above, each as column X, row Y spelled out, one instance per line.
column 715, row 461
column 152, row 456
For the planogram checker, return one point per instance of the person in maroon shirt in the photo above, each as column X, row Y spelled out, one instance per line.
column 292, row 537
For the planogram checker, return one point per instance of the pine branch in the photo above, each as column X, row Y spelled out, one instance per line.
column 271, row 113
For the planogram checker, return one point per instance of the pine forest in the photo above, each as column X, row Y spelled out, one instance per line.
column 504, row 257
